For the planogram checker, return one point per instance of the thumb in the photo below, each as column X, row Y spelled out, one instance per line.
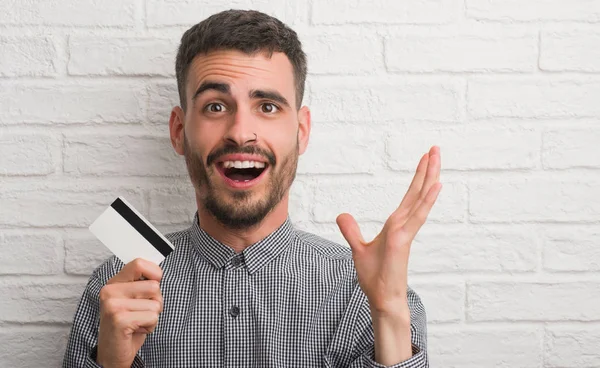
column 350, row 230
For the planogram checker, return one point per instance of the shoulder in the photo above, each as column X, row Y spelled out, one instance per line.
column 323, row 248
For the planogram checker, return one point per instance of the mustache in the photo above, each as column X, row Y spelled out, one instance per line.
column 251, row 150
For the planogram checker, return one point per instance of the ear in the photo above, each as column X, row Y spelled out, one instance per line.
column 303, row 128
column 176, row 128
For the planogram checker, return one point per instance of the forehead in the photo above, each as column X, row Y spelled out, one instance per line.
column 243, row 71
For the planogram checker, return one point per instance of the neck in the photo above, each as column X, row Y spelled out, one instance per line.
column 240, row 239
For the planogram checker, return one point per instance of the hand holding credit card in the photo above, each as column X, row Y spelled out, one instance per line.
column 123, row 230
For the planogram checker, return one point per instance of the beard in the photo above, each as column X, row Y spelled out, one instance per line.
column 240, row 209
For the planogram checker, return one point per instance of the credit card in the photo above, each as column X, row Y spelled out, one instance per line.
column 123, row 230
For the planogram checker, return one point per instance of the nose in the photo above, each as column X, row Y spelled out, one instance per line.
column 242, row 129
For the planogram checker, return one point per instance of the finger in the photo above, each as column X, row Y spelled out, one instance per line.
column 137, row 269
column 147, row 289
column 116, row 305
column 419, row 216
column 433, row 169
column 350, row 230
column 140, row 321
column 415, row 186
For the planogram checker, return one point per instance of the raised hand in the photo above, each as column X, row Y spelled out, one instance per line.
column 382, row 264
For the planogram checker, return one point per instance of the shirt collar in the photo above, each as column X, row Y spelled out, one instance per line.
column 255, row 256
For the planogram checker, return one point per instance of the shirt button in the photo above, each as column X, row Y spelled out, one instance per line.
column 236, row 261
column 234, row 311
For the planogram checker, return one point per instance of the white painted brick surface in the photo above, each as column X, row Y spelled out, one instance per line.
column 572, row 347
column 121, row 155
column 534, row 199
column 391, row 99
column 384, row 11
column 507, row 264
column 27, row 154
column 572, row 249
column 491, row 347
column 575, row 51
column 39, row 301
column 533, row 301
column 68, row 13
column 473, row 249
column 60, row 103
column 33, row 347
column 122, row 56
column 466, row 148
column 534, row 10
column 28, row 56
column 565, row 149
column 30, row 254
column 463, row 53
column 335, row 52
column 533, row 98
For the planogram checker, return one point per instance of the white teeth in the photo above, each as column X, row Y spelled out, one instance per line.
column 243, row 164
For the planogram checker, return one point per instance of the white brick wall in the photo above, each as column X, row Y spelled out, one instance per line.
column 508, row 265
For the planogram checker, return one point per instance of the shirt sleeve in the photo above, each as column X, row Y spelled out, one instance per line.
column 83, row 339
column 418, row 329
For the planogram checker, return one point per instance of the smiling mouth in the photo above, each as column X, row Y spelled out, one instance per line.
column 242, row 171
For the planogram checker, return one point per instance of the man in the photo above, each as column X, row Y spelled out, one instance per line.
column 243, row 287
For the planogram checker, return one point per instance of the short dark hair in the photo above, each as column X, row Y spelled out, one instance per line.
column 248, row 31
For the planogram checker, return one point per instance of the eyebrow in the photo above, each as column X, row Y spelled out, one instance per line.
column 215, row 86
column 254, row 94
column 269, row 95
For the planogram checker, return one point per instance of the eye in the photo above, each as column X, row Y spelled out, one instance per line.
column 269, row 108
column 215, row 107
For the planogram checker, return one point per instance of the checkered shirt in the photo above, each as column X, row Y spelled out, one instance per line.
column 290, row 300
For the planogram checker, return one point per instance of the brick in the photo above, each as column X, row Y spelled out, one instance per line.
column 289, row 12
column 543, row 199
column 27, row 154
column 104, row 155
column 573, row 51
column 473, row 249
column 462, row 53
column 385, row 12
column 69, row 13
column 122, row 56
column 370, row 100
column 533, row 98
column 301, row 200
column 60, row 207
column 335, row 53
column 162, row 13
column 39, row 301
column 341, row 149
column 465, row 148
column 469, row 347
column 173, row 205
column 571, row 249
column 83, row 253
column 533, row 301
column 375, row 200
column 534, row 10
column 571, row 347
column 27, row 56
column 444, row 302
column 30, row 254
column 33, row 347
column 60, row 102
column 162, row 97
column 563, row 149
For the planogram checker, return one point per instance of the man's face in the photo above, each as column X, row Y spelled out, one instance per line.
column 242, row 133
